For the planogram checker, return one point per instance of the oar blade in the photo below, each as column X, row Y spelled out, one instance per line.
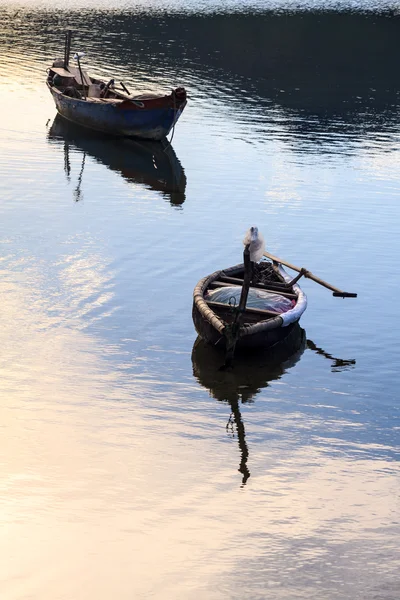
column 344, row 295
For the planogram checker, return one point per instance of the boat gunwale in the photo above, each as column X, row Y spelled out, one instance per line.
column 117, row 101
column 199, row 302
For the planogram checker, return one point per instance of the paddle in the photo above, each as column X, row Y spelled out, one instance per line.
column 309, row 275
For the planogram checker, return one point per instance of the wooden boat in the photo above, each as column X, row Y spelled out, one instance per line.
column 251, row 328
column 105, row 107
column 243, row 326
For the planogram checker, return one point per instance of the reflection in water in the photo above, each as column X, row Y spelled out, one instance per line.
column 117, row 458
column 338, row 364
column 236, row 419
column 250, row 374
column 153, row 164
column 77, row 191
column 251, row 371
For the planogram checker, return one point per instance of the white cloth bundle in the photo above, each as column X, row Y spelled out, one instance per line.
column 256, row 242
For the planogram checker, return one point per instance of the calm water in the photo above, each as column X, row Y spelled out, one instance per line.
column 131, row 467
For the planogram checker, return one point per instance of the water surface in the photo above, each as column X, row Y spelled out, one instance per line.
column 132, row 466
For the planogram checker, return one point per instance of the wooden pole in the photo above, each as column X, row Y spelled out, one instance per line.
column 82, row 80
column 336, row 291
column 67, row 48
column 246, row 279
column 234, row 328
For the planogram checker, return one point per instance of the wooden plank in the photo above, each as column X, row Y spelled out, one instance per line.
column 254, row 311
column 62, row 72
column 216, row 284
column 239, row 281
column 273, row 287
column 73, row 72
column 77, row 76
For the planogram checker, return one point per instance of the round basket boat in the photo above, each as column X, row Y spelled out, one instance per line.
column 255, row 327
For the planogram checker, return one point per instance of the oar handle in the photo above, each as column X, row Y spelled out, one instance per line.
column 336, row 291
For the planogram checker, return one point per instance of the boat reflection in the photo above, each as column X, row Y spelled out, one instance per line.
column 250, row 373
column 152, row 164
column 338, row 364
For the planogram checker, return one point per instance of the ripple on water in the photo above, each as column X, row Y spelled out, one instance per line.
column 127, row 451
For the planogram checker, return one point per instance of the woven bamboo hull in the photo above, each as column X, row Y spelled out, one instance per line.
column 258, row 329
column 264, row 340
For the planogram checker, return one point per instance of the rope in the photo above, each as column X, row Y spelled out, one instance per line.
column 231, row 330
column 174, row 122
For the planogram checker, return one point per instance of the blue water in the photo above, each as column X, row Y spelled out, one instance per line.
column 131, row 466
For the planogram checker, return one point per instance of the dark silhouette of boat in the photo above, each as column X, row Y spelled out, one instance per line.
column 250, row 374
column 152, row 164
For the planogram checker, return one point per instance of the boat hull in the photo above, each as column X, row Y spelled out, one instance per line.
column 257, row 333
column 255, row 341
column 149, row 120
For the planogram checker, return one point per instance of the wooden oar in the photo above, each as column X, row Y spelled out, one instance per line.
column 309, row 275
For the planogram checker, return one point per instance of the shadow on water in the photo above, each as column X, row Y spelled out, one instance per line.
column 251, row 372
column 338, row 364
column 152, row 164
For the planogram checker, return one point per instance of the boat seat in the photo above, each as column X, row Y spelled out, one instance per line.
column 73, row 72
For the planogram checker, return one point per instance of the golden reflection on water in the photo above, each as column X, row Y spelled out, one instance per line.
column 102, row 498
column 122, row 482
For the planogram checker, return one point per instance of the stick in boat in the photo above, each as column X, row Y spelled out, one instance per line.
column 336, row 291
column 67, row 49
column 125, row 88
column 234, row 328
column 246, row 279
column 253, row 252
column 77, row 57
